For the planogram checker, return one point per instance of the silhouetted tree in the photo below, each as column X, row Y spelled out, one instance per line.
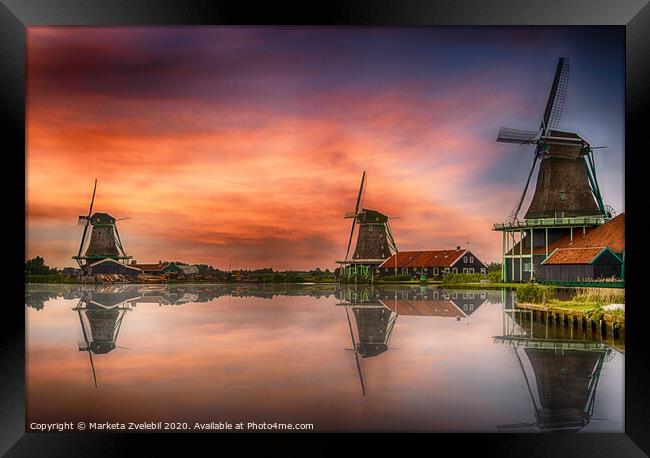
column 36, row 266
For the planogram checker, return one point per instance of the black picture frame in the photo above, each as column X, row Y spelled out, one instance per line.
column 634, row 15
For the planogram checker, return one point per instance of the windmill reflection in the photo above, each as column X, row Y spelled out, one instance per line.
column 374, row 324
column 376, row 309
column 561, row 375
column 101, row 312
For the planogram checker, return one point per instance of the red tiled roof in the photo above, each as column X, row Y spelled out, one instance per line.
column 423, row 307
column 573, row 255
column 611, row 235
column 434, row 258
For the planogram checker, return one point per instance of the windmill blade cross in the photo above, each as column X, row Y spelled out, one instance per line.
column 356, row 211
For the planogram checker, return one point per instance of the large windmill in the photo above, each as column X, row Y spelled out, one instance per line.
column 374, row 241
column 566, row 183
column 104, row 240
column 567, row 196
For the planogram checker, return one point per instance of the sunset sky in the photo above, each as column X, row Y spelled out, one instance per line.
column 249, row 143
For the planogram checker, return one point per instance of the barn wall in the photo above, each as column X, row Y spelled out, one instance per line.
column 568, row 272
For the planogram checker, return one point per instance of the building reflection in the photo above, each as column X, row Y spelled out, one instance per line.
column 376, row 309
column 561, row 372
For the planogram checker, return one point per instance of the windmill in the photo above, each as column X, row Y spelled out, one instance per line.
column 567, row 196
column 104, row 240
column 374, row 239
column 566, row 183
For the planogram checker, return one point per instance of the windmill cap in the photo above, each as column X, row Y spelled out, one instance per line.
column 102, row 218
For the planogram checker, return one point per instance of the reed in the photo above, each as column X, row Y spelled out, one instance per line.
column 601, row 296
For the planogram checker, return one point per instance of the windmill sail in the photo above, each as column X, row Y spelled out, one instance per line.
column 557, row 96
column 87, row 219
column 356, row 210
column 520, row 137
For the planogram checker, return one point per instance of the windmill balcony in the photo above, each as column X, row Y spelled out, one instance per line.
column 542, row 222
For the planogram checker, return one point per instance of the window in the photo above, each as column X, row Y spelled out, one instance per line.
column 454, row 270
column 435, row 271
column 435, row 295
column 454, row 295
column 471, row 295
column 482, row 270
column 405, row 271
column 465, row 259
column 471, row 270
column 562, row 195
column 465, row 295
column 426, row 269
column 471, row 259
column 370, row 228
column 483, row 295
column 465, row 270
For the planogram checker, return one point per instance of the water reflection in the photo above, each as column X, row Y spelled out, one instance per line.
column 376, row 311
column 561, row 372
column 100, row 316
column 392, row 358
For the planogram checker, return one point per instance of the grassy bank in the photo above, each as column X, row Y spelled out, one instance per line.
column 587, row 301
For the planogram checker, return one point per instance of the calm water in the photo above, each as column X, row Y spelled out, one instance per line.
column 351, row 359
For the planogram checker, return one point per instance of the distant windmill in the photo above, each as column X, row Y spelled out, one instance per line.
column 104, row 238
column 566, row 183
column 374, row 240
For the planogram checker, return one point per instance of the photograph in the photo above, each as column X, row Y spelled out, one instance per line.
column 325, row 229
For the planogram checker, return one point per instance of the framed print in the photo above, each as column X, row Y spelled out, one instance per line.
column 360, row 221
